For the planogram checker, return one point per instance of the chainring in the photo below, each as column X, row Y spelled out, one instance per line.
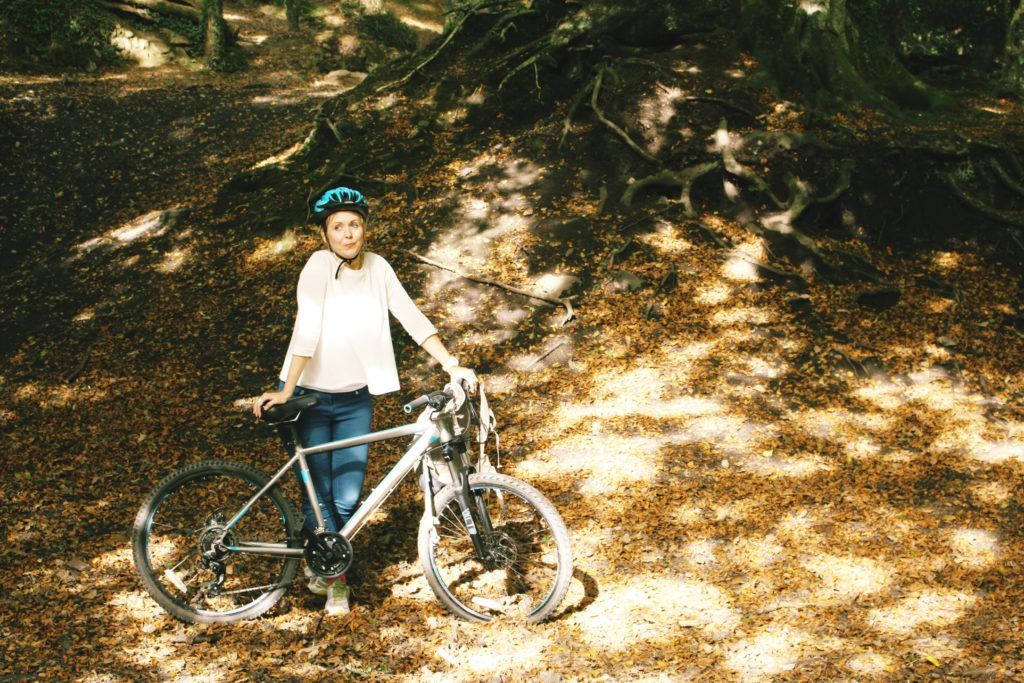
column 328, row 554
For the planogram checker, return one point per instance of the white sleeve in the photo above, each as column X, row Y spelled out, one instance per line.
column 310, row 293
column 404, row 308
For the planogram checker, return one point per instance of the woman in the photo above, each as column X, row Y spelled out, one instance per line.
column 341, row 350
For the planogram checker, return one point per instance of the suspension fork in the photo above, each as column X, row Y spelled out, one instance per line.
column 474, row 514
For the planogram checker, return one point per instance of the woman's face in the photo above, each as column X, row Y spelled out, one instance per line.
column 345, row 233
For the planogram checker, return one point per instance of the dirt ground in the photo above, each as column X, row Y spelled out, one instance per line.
column 758, row 486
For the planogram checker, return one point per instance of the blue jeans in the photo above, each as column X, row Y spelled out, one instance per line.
column 337, row 475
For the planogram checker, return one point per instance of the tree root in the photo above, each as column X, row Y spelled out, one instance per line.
column 500, row 27
column 703, row 98
column 466, row 14
column 585, row 21
column 1015, row 218
column 146, row 8
column 576, row 102
column 682, row 179
column 802, row 199
column 739, row 170
column 570, row 313
column 1005, row 177
column 614, row 128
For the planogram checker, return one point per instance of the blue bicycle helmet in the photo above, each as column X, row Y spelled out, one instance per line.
column 339, row 199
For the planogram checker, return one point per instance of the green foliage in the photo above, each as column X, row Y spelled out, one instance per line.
column 54, row 28
column 949, row 30
column 191, row 30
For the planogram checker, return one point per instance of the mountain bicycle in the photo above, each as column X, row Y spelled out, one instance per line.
column 218, row 541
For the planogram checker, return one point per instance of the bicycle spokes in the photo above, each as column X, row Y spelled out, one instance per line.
column 518, row 567
column 190, row 554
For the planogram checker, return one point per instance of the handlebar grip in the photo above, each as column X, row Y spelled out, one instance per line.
column 416, row 403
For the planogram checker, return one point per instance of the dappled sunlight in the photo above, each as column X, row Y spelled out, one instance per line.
column 147, row 49
column 501, row 652
column 653, row 607
column 770, row 464
column 758, row 551
column 775, row 650
column 974, row 548
column 714, row 294
column 173, row 261
column 656, row 113
column 667, row 238
column 871, row 663
column 729, row 433
column 603, row 463
column 741, row 266
column 991, row 492
column 273, row 248
column 135, row 605
column 60, row 396
column 946, row 260
column 925, row 608
column 845, row 578
column 280, row 157
column 741, row 315
column 146, row 227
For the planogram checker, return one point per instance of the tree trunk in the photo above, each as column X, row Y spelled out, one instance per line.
column 291, row 9
column 214, row 29
column 820, row 50
column 1013, row 54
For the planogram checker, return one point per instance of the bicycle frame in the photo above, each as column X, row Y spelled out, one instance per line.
column 424, row 429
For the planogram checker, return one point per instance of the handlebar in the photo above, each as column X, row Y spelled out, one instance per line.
column 436, row 399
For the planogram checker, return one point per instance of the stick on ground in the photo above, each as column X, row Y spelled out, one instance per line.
column 570, row 314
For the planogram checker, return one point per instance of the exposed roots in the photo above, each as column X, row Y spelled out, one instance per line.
column 1007, row 179
column 737, row 169
column 1015, row 218
column 682, row 179
column 611, row 125
column 466, row 14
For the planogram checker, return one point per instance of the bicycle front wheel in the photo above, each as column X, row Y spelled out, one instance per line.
column 528, row 561
column 183, row 554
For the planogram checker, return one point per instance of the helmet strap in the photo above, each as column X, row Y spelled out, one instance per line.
column 344, row 261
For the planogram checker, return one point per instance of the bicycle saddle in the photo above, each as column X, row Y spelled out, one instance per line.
column 290, row 409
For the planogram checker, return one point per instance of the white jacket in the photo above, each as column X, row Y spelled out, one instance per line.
column 342, row 324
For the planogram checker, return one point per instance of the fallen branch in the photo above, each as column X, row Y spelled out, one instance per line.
column 73, row 375
column 546, row 354
column 711, row 234
column 682, row 179
column 618, row 131
column 570, row 314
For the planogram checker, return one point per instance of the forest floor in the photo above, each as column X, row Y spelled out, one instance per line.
column 758, row 486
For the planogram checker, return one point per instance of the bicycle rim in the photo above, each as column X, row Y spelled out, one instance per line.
column 524, row 572
column 182, row 523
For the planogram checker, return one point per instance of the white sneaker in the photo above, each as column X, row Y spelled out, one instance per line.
column 337, row 599
column 317, row 584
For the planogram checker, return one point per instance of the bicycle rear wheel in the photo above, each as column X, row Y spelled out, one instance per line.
column 529, row 566
column 182, row 521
